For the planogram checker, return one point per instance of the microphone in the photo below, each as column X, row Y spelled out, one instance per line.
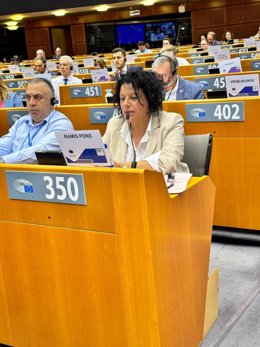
column 134, row 163
column 180, row 28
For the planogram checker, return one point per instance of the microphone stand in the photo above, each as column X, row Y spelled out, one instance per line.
column 134, row 163
column 178, row 33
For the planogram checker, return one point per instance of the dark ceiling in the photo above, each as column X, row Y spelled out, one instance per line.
column 23, row 6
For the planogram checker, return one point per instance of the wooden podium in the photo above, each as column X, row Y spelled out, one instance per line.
column 128, row 269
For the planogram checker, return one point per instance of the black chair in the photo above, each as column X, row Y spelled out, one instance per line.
column 197, row 153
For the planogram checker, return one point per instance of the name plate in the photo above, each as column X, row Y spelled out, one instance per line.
column 17, row 83
column 85, row 92
column 238, row 49
column 14, row 115
column 243, row 50
column 212, row 82
column 83, row 70
column 100, row 115
column 255, row 65
column 195, row 54
column 7, row 77
column 200, row 70
column 46, row 187
column 215, row 112
column 197, row 60
column 249, row 55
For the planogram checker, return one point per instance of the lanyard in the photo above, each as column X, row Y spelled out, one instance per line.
column 31, row 137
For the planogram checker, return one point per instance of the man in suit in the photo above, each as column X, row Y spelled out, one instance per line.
column 67, row 77
column 120, row 64
column 176, row 88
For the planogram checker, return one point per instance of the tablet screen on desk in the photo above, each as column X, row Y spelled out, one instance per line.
column 50, row 158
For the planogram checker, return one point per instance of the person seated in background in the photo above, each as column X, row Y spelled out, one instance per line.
column 120, row 64
column 40, row 68
column 228, row 37
column 176, row 88
column 211, row 38
column 34, row 132
column 142, row 48
column 166, row 42
column 202, row 36
column 142, row 135
column 57, row 53
column 173, row 50
column 8, row 98
column 147, row 45
column 99, row 64
column 15, row 59
column 204, row 44
column 67, row 77
column 157, row 35
column 40, row 54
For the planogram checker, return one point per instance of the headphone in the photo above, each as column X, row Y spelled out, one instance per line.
column 173, row 62
column 71, row 67
column 53, row 101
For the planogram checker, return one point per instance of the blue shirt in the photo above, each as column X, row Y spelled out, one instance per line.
column 13, row 100
column 25, row 138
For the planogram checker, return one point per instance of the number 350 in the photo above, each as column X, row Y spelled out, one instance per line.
column 60, row 189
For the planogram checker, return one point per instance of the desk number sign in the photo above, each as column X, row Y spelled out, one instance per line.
column 46, row 187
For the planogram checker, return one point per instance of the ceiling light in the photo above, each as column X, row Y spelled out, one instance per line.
column 14, row 27
column 181, row 8
column 11, row 23
column 148, row 2
column 17, row 17
column 59, row 13
column 102, row 8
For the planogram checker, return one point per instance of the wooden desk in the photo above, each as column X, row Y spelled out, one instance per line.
column 78, row 114
column 188, row 70
column 235, row 162
column 128, row 269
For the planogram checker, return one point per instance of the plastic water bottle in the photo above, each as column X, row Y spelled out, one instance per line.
column 109, row 96
column 108, row 156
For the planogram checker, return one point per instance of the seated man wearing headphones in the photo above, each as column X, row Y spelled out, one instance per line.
column 34, row 132
column 67, row 77
column 176, row 88
column 40, row 68
column 121, row 67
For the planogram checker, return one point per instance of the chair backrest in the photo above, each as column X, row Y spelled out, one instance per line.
column 197, row 153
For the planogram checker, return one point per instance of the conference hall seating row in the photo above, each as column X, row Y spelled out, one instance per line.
column 236, row 147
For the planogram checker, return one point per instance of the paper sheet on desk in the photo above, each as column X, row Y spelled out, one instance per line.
column 180, row 182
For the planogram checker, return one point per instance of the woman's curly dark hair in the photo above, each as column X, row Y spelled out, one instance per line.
column 147, row 82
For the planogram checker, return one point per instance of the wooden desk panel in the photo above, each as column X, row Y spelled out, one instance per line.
column 234, row 164
column 142, row 285
column 188, row 70
column 80, row 116
column 250, row 127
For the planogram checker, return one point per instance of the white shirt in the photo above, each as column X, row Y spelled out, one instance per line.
column 140, row 149
column 59, row 81
column 171, row 94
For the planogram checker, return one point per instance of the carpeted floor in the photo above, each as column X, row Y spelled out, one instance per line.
column 237, row 255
